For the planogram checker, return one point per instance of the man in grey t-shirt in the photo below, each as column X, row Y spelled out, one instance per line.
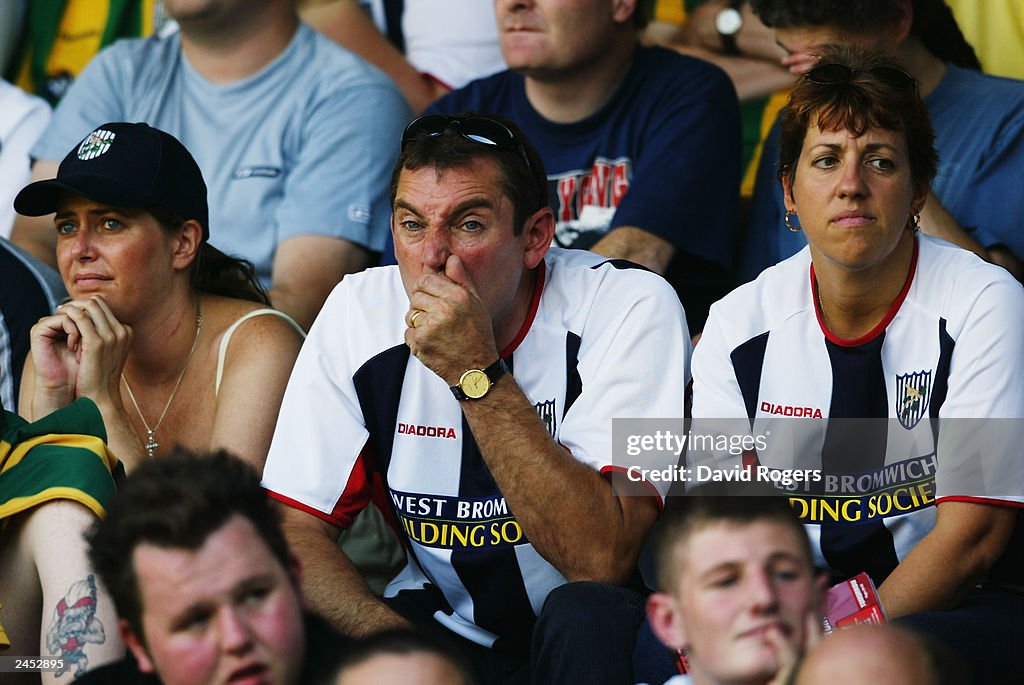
column 295, row 136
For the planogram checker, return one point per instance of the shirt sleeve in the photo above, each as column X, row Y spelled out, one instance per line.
column 634, row 363
column 992, row 205
column 95, row 97
column 316, row 461
column 18, row 137
column 341, row 176
column 980, row 421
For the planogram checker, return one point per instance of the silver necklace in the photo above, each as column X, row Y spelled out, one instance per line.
column 151, row 443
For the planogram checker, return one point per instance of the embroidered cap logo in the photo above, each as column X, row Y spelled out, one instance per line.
column 95, row 145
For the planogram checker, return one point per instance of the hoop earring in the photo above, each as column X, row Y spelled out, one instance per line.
column 789, row 223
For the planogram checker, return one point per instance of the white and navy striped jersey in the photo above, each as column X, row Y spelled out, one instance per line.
column 363, row 419
column 912, row 413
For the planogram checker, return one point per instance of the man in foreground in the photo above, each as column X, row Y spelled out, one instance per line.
column 203, row 581
column 739, row 595
column 472, row 388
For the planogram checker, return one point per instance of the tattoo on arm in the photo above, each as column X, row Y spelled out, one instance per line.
column 75, row 624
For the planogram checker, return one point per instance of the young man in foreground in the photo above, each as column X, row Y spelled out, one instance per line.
column 739, row 593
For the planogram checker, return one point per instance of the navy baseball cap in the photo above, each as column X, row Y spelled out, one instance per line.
column 125, row 165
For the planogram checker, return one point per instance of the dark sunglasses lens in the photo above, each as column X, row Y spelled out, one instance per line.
column 894, row 77
column 488, row 131
column 430, row 125
column 836, row 74
column 830, row 74
column 478, row 129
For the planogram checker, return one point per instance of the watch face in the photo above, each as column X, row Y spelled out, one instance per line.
column 475, row 384
column 728, row 21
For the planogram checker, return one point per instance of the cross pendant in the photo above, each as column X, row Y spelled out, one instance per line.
column 151, row 444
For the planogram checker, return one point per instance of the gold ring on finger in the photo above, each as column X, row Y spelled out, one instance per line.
column 412, row 319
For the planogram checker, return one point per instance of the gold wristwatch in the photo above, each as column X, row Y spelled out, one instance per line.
column 476, row 383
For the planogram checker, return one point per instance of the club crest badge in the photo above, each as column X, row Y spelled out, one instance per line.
column 913, row 394
column 95, row 145
column 546, row 411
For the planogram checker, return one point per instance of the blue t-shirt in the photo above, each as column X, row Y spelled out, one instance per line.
column 305, row 146
column 663, row 155
column 979, row 134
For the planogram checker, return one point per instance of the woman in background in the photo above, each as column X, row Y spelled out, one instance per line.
column 875, row 320
column 172, row 339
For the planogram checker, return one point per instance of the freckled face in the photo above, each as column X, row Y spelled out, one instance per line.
column 122, row 254
column 854, row 196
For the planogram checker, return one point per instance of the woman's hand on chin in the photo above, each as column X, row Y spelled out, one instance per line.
column 101, row 350
column 56, row 348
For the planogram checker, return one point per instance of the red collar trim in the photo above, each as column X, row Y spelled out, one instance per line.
column 538, row 288
column 882, row 325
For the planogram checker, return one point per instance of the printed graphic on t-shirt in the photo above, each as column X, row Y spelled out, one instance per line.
column 585, row 200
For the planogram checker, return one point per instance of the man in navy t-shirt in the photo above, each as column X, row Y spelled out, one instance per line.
column 641, row 145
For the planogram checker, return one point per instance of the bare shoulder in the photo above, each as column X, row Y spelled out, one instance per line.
column 248, row 334
column 250, row 323
column 251, row 370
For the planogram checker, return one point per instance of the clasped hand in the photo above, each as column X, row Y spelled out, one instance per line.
column 454, row 332
column 80, row 351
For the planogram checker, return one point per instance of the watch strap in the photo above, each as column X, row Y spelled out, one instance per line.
column 493, row 373
column 730, row 45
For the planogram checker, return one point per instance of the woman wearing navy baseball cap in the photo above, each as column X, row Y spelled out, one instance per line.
column 165, row 333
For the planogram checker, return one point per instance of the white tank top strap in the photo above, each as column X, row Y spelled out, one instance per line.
column 223, row 352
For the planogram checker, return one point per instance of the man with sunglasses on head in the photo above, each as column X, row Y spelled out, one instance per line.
column 641, row 144
column 471, row 390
